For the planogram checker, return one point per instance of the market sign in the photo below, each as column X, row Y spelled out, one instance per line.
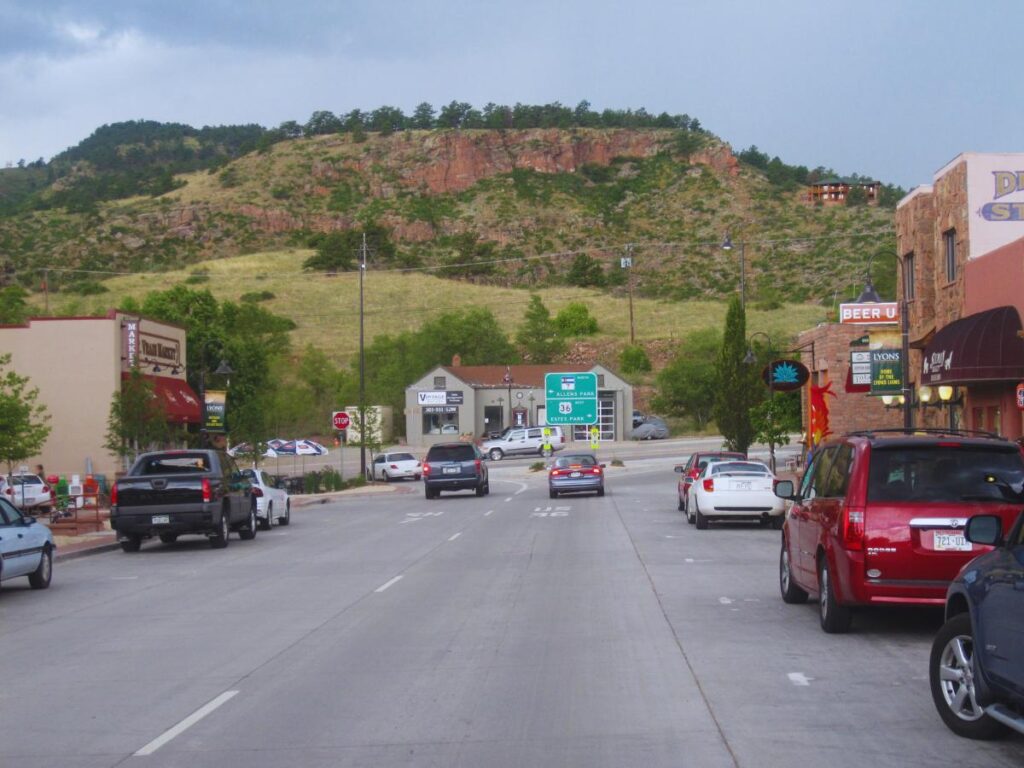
column 870, row 313
column 785, row 375
column 886, row 372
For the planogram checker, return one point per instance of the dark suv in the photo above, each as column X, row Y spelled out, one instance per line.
column 454, row 467
column 879, row 517
column 977, row 660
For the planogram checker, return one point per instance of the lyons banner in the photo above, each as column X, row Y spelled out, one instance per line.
column 214, row 411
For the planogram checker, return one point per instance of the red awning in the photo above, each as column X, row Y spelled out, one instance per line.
column 178, row 399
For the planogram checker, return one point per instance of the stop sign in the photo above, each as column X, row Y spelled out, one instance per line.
column 341, row 420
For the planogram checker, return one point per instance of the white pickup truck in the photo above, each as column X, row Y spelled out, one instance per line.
column 272, row 503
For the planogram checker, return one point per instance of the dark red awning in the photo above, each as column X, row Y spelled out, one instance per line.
column 178, row 399
column 982, row 347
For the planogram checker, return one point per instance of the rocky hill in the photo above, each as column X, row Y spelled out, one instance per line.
column 532, row 207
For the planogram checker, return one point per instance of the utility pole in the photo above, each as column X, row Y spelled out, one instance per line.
column 362, row 366
column 46, row 289
column 627, row 264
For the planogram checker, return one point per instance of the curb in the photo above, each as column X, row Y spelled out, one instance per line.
column 75, row 554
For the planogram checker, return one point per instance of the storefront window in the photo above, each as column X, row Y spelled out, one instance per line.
column 441, row 423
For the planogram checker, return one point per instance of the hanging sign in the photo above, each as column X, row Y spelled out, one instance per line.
column 785, row 375
column 214, row 410
column 886, row 372
column 870, row 313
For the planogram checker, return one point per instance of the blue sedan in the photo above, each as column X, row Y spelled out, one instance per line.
column 575, row 472
column 26, row 547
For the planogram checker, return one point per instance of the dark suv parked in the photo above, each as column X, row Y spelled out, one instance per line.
column 454, row 467
column 879, row 517
column 977, row 659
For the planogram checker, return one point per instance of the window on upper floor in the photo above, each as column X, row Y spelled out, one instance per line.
column 440, row 382
column 949, row 247
column 909, row 289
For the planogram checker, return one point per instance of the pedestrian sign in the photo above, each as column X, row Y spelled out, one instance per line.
column 595, row 438
column 571, row 398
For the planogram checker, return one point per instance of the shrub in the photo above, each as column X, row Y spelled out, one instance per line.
column 633, row 359
column 256, row 296
column 575, row 320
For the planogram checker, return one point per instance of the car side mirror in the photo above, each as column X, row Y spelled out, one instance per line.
column 984, row 529
column 784, row 489
column 603, row 466
column 27, row 520
column 679, row 469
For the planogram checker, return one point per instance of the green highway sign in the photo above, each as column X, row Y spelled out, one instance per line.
column 570, row 398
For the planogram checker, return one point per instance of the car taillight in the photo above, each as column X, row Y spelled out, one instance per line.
column 113, row 494
column 596, row 470
column 46, row 489
column 394, row 466
column 426, row 468
column 709, row 484
column 207, row 490
column 257, row 492
column 853, row 528
column 476, row 464
column 9, row 491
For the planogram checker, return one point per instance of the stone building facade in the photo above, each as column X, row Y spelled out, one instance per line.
column 960, row 242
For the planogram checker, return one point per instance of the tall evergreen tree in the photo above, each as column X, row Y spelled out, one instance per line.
column 738, row 388
column 538, row 335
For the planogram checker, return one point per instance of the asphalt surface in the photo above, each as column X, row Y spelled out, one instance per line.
column 509, row 630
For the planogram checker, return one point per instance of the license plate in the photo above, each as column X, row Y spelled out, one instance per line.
column 161, row 519
column 575, row 474
column 452, row 470
column 952, row 542
column 741, row 485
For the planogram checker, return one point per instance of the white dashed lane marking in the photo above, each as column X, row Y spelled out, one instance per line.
column 387, row 584
column 185, row 724
column 453, row 538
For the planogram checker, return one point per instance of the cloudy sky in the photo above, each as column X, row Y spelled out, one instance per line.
column 888, row 88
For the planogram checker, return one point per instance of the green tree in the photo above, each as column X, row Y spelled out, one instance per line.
column 585, row 271
column 737, row 387
column 856, row 196
column 634, row 359
column 13, row 309
column 136, row 421
column 342, row 250
column 538, row 335
column 23, row 419
column 688, row 142
column 769, row 420
column 575, row 319
column 687, row 385
column 423, row 117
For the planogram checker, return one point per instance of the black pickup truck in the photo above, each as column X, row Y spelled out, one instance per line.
column 170, row 493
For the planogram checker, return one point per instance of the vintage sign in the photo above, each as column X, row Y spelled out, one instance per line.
column 440, row 397
column 886, row 372
column 870, row 313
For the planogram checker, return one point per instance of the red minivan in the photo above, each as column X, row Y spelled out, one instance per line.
column 879, row 517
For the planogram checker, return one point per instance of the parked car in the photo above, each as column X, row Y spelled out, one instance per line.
column 976, row 667
column 652, row 428
column 454, row 467
column 735, row 490
column 272, row 502
column 28, row 492
column 693, row 467
column 576, row 472
column 638, row 418
column 524, row 441
column 26, row 547
column 396, row 466
column 878, row 518
column 171, row 493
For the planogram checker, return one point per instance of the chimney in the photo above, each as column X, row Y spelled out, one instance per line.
column 456, row 361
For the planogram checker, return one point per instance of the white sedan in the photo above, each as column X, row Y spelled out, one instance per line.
column 272, row 503
column 396, row 466
column 735, row 490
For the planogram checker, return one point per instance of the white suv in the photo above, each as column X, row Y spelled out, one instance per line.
column 523, row 441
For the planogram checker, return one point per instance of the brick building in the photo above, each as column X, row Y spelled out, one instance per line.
column 834, row 191
column 960, row 242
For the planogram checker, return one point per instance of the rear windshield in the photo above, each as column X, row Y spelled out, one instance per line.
column 26, row 480
column 401, row 457
column 579, row 461
column 451, row 453
column 740, row 467
column 169, row 464
column 941, row 473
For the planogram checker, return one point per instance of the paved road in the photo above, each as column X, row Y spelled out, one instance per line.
column 509, row 630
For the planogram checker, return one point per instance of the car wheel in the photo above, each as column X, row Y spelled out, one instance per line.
column 487, row 487
column 416, row 478
column 268, row 523
column 777, row 521
column 552, row 494
column 220, row 539
column 600, row 491
column 131, row 543
column 40, row 578
column 168, row 538
column 480, row 490
column 248, row 533
column 680, row 506
column 791, row 593
column 835, row 618
column 428, row 493
column 495, row 454
column 387, row 477
column 287, row 513
column 951, row 674
column 699, row 519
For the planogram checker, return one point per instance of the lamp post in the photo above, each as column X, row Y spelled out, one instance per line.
column 750, row 359
column 508, row 381
column 530, row 419
column 362, row 366
column 727, row 246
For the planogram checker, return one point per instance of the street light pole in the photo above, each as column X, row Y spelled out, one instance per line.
column 362, row 366
column 727, row 246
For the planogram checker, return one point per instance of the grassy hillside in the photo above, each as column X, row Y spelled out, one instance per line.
column 326, row 309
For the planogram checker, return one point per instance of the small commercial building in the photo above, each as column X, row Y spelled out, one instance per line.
column 467, row 402
column 960, row 243
column 78, row 364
